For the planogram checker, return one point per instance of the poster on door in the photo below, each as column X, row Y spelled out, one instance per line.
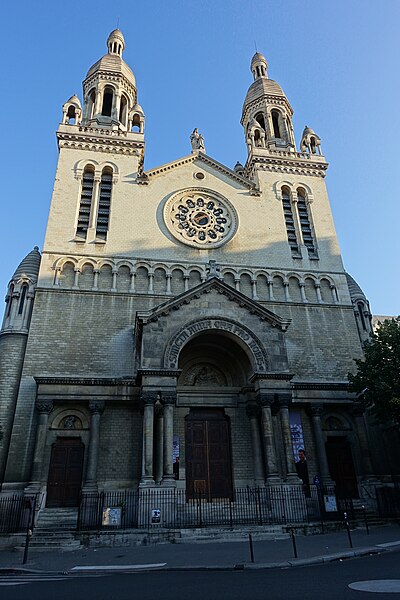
column 296, row 432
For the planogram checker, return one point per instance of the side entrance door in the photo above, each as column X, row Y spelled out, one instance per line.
column 65, row 472
column 341, row 466
column 208, row 456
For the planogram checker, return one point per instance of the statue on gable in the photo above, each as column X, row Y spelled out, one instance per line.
column 197, row 140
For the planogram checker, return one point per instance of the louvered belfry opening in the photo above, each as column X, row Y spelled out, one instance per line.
column 289, row 221
column 103, row 214
column 86, row 202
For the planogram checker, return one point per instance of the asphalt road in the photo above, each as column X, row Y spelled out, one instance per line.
column 327, row 582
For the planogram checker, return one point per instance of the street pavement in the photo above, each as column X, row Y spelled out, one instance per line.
column 223, row 555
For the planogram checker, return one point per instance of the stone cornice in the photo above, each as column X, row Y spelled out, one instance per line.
column 160, row 372
column 340, row 386
column 277, row 376
column 200, row 156
column 96, row 140
column 284, row 163
column 111, row 381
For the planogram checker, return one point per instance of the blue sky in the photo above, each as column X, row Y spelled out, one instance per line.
column 336, row 61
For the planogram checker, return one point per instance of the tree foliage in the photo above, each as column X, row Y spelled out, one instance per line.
column 377, row 380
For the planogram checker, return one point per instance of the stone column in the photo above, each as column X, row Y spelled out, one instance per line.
column 133, row 277
column 316, row 411
column 237, row 283
column 149, row 399
column 76, row 278
column 266, row 401
column 286, row 290
column 254, row 288
column 253, row 413
column 57, row 276
column 168, row 276
column 95, row 279
column 96, row 408
column 95, row 202
column 44, row 408
column 151, row 282
column 366, row 464
column 114, row 279
column 168, row 400
column 302, row 291
column 318, row 290
column 186, row 282
column 291, row 475
column 270, row 284
column 159, row 442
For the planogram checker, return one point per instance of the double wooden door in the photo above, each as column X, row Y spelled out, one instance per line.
column 65, row 472
column 341, row 466
column 208, row 456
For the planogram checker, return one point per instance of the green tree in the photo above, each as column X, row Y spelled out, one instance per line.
column 377, row 380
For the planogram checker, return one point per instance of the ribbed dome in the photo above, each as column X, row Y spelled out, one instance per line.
column 355, row 291
column 263, row 86
column 116, row 35
column 257, row 59
column 29, row 265
column 74, row 100
column 115, row 64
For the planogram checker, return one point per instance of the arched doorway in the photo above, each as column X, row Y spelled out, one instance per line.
column 215, row 370
column 65, row 472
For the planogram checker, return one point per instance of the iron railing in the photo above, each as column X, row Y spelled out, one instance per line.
column 15, row 512
column 152, row 508
column 388, row 502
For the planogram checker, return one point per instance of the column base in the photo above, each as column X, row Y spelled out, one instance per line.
column 293, row 479
column 34, row 487
column 90, row 487
column 168, row 481
column 259, row 483
column 273, row 480
column 147, row 482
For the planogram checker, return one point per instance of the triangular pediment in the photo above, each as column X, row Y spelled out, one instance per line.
column 211, row 163
column 214, row 284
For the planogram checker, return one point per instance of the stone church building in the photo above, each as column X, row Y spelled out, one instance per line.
column 188, row 326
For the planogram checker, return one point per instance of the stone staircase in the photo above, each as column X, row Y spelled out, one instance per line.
column 56, row 529
column 237, row 534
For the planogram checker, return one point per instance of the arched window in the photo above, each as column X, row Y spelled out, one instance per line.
column 107, row 102
column 24, row 290
column 103, row 213
column 123, row 111
column 136, row 122
column 86, row 202
column 304, row 218
column 9, row 300
column 360, row 307
column 91, row 104
column 71, row 115
column 275, row 123
column 260, row 120
column 289, row 220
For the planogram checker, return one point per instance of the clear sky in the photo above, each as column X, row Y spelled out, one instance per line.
column 338, row 63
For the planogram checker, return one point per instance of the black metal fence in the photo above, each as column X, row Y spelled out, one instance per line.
column 152, row 508
column 388, row 502
column 15, row 512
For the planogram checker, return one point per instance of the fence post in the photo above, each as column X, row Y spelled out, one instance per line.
column 29, row 528
column 348, row 529
column 293, row 542
column 251, row 548
column 258, row 502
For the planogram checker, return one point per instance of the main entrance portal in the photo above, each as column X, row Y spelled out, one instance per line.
column 208, row 454
column 341, row 467
column 65, row 473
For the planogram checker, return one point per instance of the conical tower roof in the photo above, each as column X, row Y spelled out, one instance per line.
column 29, row 265
column 356, row 292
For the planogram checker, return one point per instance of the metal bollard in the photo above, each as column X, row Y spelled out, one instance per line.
column 251, row 548
column 365, row 519
column 294, row 543
column 348, row 529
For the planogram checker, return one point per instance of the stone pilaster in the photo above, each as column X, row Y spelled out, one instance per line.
column 253, row 412
column 316, row 411
column 96, row 408
column 168, row 400
column 159, row 442
column 358, row 411
column 266, row 401
column 149, row 399
column 284, row 402
column 44, row 408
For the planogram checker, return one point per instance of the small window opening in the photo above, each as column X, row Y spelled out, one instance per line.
column 275, row 123
column 107, row 102
column 91, row 105
column 71, row 115
column 22, row 299
column 313, row 145
column 136, row 122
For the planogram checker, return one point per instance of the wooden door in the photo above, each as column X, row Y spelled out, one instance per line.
column 341, row 467
column 65, row 473
column 208, row 457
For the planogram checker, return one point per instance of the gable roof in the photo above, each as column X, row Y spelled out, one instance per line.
column 222, row 288
column 211, row 162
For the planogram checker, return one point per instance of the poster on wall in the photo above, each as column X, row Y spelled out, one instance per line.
column 175, row 448
column 296, row 432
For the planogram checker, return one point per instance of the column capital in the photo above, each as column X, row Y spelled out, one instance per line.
column 96, row 407
column 44, row 406
column 316, row 410
column 284, row 399
column 168, row 398
column 266, row 399
column 149, row 398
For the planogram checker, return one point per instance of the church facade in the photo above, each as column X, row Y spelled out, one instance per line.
column 189, row 326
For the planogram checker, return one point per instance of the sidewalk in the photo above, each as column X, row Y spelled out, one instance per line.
column 211, row 555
